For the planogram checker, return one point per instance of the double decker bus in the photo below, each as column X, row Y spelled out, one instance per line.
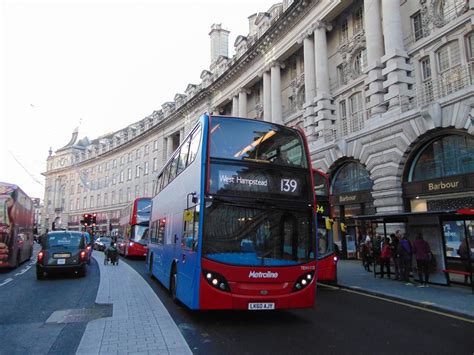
column 327, row 258
column 133, row 228
column 16, row 226
column 233, row 218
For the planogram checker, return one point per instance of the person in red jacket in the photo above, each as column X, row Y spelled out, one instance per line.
column 385, row 256
column 422, row 251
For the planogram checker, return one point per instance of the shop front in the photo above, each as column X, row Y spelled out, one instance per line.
column 351, row 196
column 439, row 176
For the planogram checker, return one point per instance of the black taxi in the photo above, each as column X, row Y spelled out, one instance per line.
column 62, row 251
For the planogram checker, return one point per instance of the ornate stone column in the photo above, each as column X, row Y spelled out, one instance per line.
column 277, row 116
column 243, row 103
column 267, row 97
column 375, row 51
column 235, row 106
column 397, row 69
column 324, row 120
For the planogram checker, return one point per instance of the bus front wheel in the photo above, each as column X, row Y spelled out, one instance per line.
column 173, row 284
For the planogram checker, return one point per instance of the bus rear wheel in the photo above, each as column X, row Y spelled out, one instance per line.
column 173, row 284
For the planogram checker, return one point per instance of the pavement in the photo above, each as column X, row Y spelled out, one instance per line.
column 455, row 299
column 140, row 324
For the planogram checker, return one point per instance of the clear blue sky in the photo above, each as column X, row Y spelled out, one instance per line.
column 109, row 63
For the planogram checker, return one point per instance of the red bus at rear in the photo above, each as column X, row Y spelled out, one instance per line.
column 327, row 258
column 133, row 228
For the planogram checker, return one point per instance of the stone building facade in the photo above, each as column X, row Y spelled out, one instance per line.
column 382, row 88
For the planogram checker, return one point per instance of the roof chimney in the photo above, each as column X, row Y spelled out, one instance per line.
column 219, row 42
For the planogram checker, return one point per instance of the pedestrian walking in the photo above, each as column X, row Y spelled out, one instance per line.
column 422, row 251
column 465, row 254
column 395, row 256
column 405, row 251
column 385, row 256
column 366, row 254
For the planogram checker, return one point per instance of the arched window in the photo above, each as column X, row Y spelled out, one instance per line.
column 351, row 177
column 445, row 156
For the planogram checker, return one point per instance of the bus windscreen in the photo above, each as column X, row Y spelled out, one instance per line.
column 256, row 141
column 250, row 236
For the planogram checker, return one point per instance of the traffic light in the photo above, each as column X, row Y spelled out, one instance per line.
column 93, row 219
column 86, row 219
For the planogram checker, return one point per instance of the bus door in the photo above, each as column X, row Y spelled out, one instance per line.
column 188, row 280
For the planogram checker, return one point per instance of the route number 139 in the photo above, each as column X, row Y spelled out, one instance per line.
column 288, row 185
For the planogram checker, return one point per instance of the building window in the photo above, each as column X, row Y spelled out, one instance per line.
column 106, row 199
column 448, row 56
column 84, row 203
column 107, row 166
column 470, row 47
column 341, row 76
column 114, row 163
column 344, row 32
column 129, row 157
column 445, row 156
column 122, row 160
column 120, row 196
column 129, row 174
column 145, row 168
column 129, row 194
column 113, row 198
column 356, row 113
column 77, row 204
column 98, row 200
column 137, row 154
column 137, row 171
column 91, row 202
column 351, row 177
column 360, row 62
column 121, row 176
column 71, row 205
column 358, row 20
column 417, row 26
column 155, row 164
column 155, row 145
column 145, row 189
column 146, row 149
column 425, row 68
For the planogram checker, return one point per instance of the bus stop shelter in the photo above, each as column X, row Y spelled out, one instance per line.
column 445, row 231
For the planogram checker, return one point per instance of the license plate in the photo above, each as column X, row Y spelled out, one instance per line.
column 61, row 261
column 61, row 256
column 261, row 306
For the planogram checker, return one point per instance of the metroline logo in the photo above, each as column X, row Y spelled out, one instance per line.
column 263, row 275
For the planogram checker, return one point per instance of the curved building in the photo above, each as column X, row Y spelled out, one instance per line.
column 383, row 90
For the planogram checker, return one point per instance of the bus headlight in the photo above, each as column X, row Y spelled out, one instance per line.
column 216, row 280
column 303, row 281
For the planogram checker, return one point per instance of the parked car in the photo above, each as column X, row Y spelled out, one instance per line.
column 62, row 251
column 102, row 243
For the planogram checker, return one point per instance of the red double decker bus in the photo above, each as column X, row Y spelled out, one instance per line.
column 133, row 228
column 16, row 226
column 327, row 258
column 233, row 218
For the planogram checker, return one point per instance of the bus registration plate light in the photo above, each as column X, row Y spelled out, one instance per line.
column 261, row 306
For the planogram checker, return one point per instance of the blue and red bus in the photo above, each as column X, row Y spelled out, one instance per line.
column 133, row 228
column 16, row 226
column 233, row 218
column 327, row 258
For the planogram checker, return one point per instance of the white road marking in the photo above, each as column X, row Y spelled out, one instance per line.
column 6, row 281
